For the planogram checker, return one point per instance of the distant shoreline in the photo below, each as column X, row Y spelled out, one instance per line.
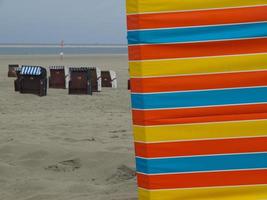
column 56, row 49
column 59, row 46
column 66, row 56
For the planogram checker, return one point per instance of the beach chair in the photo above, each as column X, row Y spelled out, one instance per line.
column 96, row 79
column 57, row 77
column 12, row 70
column 33, row 80
column 17, row 81
column 80, row 81
column 109, row 79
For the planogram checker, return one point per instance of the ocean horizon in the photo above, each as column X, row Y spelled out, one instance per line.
column 55, row 49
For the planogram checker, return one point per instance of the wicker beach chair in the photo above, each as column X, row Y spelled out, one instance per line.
column 12, row 70
column 96, row 79
column 17, row 81
column 57, row 77
column 33, row 80
column 109, row 79
column 80, row 81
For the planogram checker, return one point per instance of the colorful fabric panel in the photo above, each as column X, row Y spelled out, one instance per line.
column 199, row 98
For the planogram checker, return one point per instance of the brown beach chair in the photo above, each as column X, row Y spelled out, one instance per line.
column 80, row 81
column 109, row 79
column 57, row 77
column 33, row 80
column 106, row 79
column 12, row 70
column 17, row 81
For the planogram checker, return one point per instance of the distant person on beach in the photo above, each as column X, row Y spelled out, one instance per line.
column 61, row 55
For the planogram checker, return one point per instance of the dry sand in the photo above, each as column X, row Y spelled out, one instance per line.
column 63, row 147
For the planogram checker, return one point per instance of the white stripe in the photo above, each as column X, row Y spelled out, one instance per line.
column 198, row 26
column 27, row 70
column 228, row 72
column 34, row 70
column 192, row 58
column 199, row 123
column 199, row 188
column 174, row 108
column 202, row 90
column 30, row 70
column 203, row 155
column 204, row 139
column 196, row 172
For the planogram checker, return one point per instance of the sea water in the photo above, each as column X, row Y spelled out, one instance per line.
column 56, row 50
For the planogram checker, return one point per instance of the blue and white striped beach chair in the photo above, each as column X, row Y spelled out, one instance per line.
column 33, row 80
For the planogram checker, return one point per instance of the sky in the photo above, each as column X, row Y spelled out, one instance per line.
column 74, row 21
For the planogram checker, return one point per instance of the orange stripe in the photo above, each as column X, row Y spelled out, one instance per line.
column 197, row 18
column 205, row 147
column 201, row 49
column 198, row 82
column 198, row 115
column 210, row 179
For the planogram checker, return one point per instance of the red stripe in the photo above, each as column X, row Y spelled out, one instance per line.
column 199, row 49
column 210, row 179
column 199, row 82
column 197, row 18
column 199, row 115
column 201, row 147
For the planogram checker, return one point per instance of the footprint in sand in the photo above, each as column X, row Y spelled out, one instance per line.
column 123, row 173
column 65, row 166
column 118, row 131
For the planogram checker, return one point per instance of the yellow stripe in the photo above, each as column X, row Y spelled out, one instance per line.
column 200, row 131
column 229, row 193
column 142, row 6
column 198, row 65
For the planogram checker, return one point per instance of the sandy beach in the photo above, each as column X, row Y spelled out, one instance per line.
column 63, row 147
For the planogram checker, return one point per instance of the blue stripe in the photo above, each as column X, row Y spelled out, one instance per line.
column 200, row 98
column 202, row 163
column 192, row 34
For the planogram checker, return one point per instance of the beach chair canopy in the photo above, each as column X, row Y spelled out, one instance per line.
column 56, row 67
column 199, row 98
column 79, row 69
column 31, row 70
